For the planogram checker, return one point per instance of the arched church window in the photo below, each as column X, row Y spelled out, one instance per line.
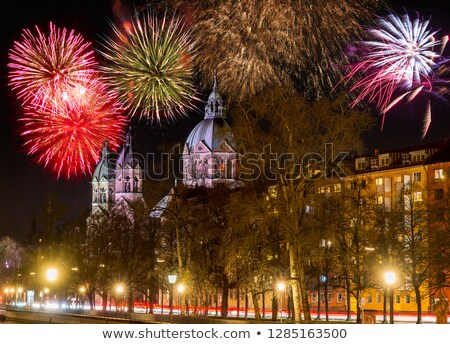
column 136, row 184
column 110, row 195
column 200, row 169
column 218, row 168
column 230, row 169
column 96, row 195
column 102, row 195
column 194, row 168
column 127, row 184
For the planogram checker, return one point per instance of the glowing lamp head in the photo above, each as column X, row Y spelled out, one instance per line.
column 181, row 288
column 51, row 274
column 389, row 277
column 281, row 286
column 172, row 278
column 119, row 289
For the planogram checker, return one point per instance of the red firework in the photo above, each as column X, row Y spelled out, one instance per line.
column 67, row 136
column 43, row 67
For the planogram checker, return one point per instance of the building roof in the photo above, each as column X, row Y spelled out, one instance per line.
column 106, row 167
column 127, row 156
column 214, row 128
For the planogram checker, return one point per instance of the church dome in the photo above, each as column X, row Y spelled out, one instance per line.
column 214, row 128
column 105, row 168
column 211, row 131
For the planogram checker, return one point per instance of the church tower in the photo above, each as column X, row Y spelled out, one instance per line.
column 209, row 155
column 129, row 173
column 103, row 181
column 117, row 179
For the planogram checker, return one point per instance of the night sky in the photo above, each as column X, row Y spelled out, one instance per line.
column 25, row 187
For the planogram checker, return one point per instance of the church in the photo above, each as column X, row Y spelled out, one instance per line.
column 209, row 158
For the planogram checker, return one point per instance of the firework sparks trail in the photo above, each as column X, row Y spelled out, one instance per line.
column 43, row 67
column 67, row 136
column 150, row 66
column 400, row 58
column 255, row 45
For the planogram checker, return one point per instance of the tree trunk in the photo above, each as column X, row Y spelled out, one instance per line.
column 274, row 307
column 419, row 304
column 238, row 303
column 348, row 299
column 207, row 304
column 246, row 304
column 224, row 303
column 263, row 300
column 256, row 305
column 130, row 301
column 304, row 293
column 104, row 300
column 295, row 286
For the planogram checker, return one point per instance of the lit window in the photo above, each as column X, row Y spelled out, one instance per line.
column 379, row 181
column 369, row 298
column 337, row 187
column 380, row 200
column 398, row 179
column 417, row 196
column 322, row 189
column 439, row 173
column 417, row 177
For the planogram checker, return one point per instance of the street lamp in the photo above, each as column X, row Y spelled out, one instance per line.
column 81, row 302
column 180, row 289
column 119, row 291
column 172, row 280
column 281, row 287
column 390, row 278
column 51, row 274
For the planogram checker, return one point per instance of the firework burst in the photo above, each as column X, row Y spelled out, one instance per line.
column 149, row 66
column 254, row 45
column 402, row 56
column 43, row 67
column 67, row 136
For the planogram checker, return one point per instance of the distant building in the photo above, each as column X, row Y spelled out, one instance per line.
column 412, row 175
column 117, row 180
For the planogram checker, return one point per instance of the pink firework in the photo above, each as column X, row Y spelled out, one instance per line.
column 67, row 136
column 43, row 67
column 400, row 59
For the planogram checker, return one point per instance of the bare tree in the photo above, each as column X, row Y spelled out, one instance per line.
column 301, row 143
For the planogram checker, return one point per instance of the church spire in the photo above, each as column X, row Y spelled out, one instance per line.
column 214, row 107
column 128, row 137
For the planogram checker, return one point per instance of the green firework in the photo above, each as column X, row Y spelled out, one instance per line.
column 149, row 64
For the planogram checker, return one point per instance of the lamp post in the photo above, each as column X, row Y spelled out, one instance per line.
column 119, row 292
column 281, row 287
column 172, row 280
column 390, row 278
column 180, row 289
column 51, row 275
column 82, row 291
